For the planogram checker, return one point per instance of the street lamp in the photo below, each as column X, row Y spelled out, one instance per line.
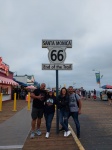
column 98, row 77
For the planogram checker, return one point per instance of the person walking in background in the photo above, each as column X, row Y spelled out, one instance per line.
column 94, row 94
column 109, row 95
column 78, row 92
column 49, row 111
column 39, row 97
column 63, row 105
column 75, row 108
column 89, row 94
column 83, row 93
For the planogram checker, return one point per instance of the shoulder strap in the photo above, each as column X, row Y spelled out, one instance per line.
column 77, row 100
column 75, row 97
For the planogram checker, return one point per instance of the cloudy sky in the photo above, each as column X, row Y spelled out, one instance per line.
column 88, row 23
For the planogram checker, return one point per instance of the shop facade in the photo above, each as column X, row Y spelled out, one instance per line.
column 6, row 81
column 26, row 79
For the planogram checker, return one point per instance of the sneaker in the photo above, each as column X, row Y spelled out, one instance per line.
column 65, row 134
column 32, row 135
column 68, row 133
column 47, row 135
column 38, row 132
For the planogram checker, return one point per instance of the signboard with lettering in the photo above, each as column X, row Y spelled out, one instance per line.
column 57, row 54
column 4, row 68
column 61, row 43
column 56, row 67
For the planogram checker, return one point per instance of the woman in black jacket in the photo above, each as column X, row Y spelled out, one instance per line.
column 63, row 105
column 49, row 111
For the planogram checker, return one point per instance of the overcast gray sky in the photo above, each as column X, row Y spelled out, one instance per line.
column 88, row 23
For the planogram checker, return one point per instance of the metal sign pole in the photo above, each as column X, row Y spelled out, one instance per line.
column 57, row 113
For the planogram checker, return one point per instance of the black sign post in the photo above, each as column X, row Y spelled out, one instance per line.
column 57, row 112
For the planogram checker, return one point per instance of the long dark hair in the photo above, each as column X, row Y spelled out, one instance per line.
column 62, row 89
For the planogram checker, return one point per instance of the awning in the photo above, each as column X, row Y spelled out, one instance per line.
column 31, row 87
column 4, row 80
column 20, row 83
column 106, row 87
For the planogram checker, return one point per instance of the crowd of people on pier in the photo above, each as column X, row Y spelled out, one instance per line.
column 68, row 103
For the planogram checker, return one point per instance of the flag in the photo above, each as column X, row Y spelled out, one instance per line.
column 97, row 77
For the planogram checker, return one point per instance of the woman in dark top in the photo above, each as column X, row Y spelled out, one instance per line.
column 49, row 110
column 109, row 97
column 63, row 105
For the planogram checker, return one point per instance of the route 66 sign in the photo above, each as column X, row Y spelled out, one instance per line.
column 57, row 55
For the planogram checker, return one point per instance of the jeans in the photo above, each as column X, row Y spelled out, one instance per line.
column 48, row 118
column 63, row 117
column 76, row 120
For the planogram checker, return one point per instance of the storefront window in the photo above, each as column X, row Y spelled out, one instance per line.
column 4, row 90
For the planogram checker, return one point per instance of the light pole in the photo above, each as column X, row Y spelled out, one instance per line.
column 100, row 77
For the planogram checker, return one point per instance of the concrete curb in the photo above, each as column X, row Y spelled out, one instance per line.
column 80, row 146
column 19, row 125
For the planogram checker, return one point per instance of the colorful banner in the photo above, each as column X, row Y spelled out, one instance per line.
column 97, row 77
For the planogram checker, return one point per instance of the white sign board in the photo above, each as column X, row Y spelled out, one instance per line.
column 61, row 43
column 56, row 54
column 56, row 67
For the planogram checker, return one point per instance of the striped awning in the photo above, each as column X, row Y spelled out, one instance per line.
column 4, row 80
